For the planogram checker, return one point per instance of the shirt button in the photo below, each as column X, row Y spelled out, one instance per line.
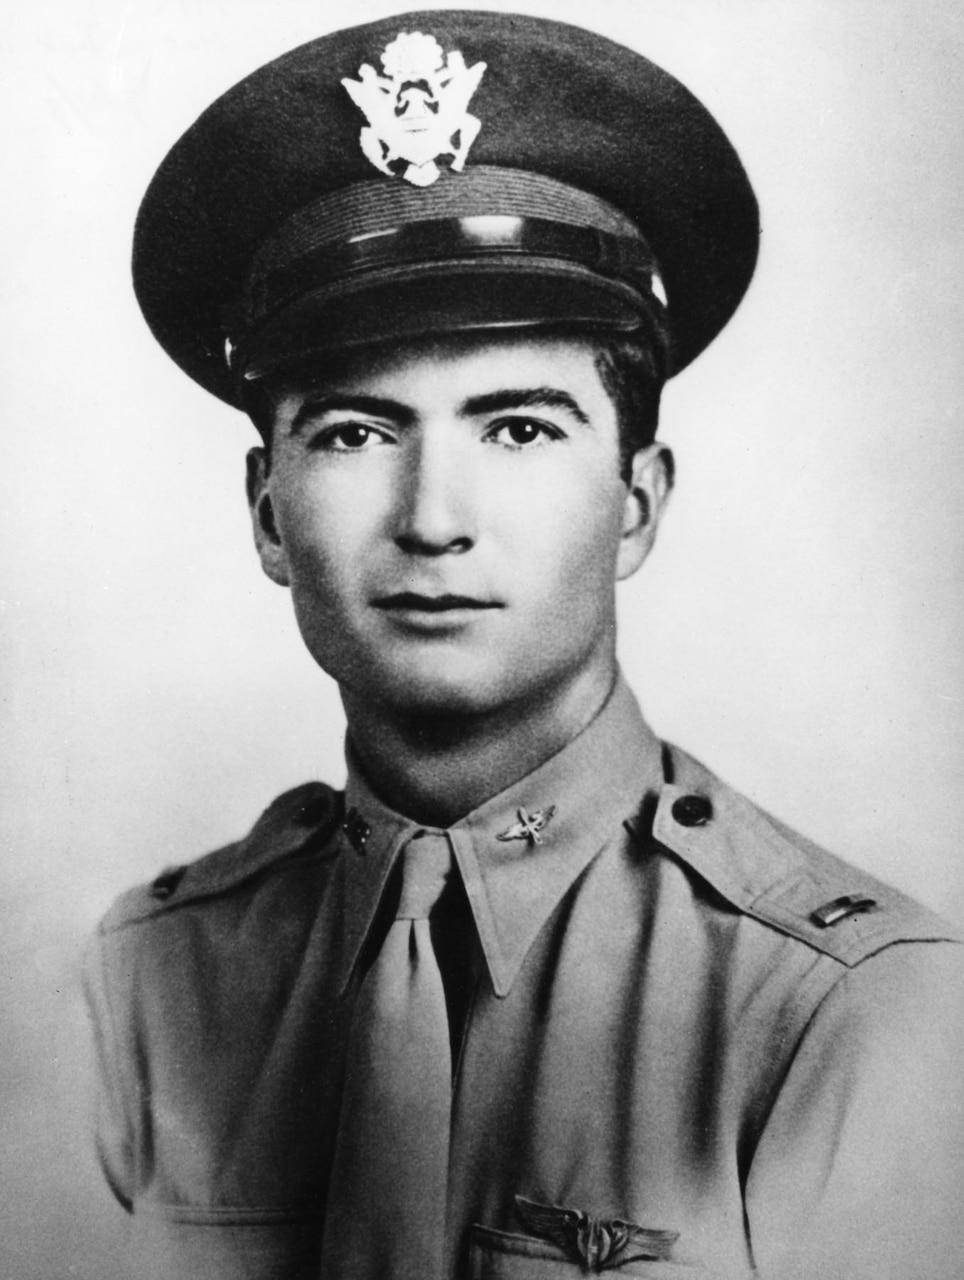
column 692, row 811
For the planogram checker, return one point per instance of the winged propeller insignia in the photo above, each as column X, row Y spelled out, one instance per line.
column 530, row 825
column 599, row 1244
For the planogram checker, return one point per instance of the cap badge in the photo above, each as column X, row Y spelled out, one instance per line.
column 530, row 825
column 418, row 110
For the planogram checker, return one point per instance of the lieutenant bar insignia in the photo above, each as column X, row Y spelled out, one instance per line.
column 417, row 111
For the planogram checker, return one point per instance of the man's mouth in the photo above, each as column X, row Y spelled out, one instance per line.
column 410, row 600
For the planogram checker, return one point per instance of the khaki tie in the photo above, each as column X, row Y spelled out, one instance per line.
column 386, row 1205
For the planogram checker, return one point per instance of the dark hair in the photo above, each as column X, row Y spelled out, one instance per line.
column 631, row 367
column 633, row 373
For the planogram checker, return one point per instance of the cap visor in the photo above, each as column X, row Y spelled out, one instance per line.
column 417, row 302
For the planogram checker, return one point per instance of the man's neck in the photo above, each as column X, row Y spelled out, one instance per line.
column 436, row 768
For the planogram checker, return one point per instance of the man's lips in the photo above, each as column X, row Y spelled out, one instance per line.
column 410, row 600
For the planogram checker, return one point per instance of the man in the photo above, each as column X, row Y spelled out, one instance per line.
column 539, row 994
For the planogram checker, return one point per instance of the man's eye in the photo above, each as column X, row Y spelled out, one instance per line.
column 519, row 432
column 349, row 437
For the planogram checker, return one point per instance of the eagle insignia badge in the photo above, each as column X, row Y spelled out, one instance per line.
column 599, row 1244
column 530, row 825
column 417, row 111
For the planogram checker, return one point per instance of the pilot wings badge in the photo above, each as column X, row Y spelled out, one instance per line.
column 599, row 1244
column 418, row 110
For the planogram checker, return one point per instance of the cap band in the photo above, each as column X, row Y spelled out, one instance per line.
column 360, row 207
column 487, row 213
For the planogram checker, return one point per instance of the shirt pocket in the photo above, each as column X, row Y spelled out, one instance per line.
column 499, row 1255
column 172, row 1242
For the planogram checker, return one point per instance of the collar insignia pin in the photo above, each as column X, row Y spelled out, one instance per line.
column 530, row 825
column 418, row 110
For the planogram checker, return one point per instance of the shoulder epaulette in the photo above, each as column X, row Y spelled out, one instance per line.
column 767, row 871
column 297, row 823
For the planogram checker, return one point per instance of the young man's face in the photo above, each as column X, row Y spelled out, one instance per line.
column 451, row 521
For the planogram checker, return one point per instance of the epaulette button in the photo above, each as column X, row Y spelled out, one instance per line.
column 692, row 811
column 313, row 811
column 167, row 882
column 357, row 830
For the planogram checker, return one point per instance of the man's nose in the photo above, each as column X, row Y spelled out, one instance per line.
column 436, row 510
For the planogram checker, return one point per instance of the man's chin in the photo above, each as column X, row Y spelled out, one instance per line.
column 454, row 689
column 436, row 696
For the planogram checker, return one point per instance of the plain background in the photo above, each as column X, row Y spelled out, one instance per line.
column 799, row 626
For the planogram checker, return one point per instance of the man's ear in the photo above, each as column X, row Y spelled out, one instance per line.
column 270, row 549
column 650, row 486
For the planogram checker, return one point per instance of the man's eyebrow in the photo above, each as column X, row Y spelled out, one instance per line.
column 528, row 398
column 369, row 406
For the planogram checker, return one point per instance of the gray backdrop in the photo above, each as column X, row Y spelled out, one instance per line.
column 799, row 626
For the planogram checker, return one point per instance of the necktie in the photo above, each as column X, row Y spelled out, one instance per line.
column 386, row 1206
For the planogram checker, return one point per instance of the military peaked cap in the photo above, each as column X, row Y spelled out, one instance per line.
column 434, row 172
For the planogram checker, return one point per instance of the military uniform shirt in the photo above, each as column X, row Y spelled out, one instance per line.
column 686, row 1019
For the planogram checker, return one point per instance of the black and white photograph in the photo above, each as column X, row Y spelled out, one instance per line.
column 483, row 640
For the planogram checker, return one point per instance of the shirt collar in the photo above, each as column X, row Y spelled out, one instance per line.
column 521, row 851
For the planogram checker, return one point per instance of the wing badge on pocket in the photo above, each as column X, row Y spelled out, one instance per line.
column 600, row 1244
